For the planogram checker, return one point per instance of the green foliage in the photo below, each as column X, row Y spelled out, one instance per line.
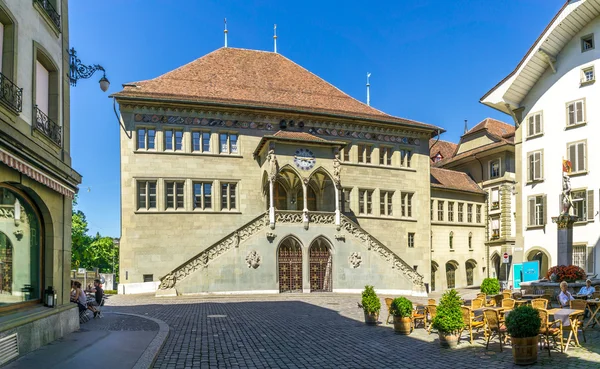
column 110, row 292
column 401, row 307
column 91, row 251
column 523, row 321
column 370, row 302
column 490, row 286
column 449, row 315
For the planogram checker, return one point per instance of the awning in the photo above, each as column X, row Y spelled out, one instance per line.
column 34, row 174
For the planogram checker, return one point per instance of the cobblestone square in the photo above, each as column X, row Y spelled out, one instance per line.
column 313, row 331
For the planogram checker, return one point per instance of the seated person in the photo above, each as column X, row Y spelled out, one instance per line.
column 80, row 299
column 588, row 289
column 98, row 294
column 564, row 297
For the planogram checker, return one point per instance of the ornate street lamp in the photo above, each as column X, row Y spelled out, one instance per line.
column 79, row 71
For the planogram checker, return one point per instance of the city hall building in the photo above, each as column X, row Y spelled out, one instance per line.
column 242, row 172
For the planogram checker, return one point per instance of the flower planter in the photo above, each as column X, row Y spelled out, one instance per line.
column 448, row 340
column 525, row 350
column 402, row 325
column 371, row 318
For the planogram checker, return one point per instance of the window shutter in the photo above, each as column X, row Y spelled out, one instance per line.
column 537, row 167
column 541, row 173
column 579, row 106
column 531, row 216
column 544, row 212
column 538, row 123
column 571, row 156
column 590, row 205
column 529, row 166
column 590, row 260
column 530, row 126
column 571, row 114
column 582, row 156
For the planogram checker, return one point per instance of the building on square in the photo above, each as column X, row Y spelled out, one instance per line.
column 550, row 95
column 37, row 182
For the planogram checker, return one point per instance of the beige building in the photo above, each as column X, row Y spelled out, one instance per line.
column 487, row 154
column 37, row 182
column 243, row 172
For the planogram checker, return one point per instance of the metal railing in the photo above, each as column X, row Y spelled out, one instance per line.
column 50, row 10
column 11, row 94
column 47, row 126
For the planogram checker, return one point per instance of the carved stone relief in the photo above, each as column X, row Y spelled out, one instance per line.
column 253, row 259
column 355, row 260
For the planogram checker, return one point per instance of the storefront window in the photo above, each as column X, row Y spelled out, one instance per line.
column 19, row 250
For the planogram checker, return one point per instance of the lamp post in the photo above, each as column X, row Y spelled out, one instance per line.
column 77, row 70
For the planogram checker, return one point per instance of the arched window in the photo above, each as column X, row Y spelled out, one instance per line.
column 20, row 250
column 470, row 240
column 451, row 240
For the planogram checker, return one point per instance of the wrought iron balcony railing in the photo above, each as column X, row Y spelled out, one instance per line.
column 11, row 94
column 47, row 126
column 50, row 10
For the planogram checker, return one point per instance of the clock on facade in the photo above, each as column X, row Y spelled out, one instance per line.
column 304, row 159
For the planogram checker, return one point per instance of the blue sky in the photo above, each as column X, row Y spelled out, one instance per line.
column 431, row 60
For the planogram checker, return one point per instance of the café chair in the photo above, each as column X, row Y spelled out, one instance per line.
column 550, row 329
column 431, row 312
column 539, row 303
column 388, row 303
column 470, row 323
column 493, row 326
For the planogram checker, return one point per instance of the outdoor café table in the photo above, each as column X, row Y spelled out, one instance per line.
column 581, row 297
column 594, row 308
column 531, row 296
column 479, row 312
column 521, row 302
column 567, row 317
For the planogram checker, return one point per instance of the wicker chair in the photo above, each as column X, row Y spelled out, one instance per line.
column 550, row 329
column 577, row 323
column 493, row 326
column 431, row 312
column 431, row 302
column 481, row 295
column 597, row 287
column 508, row 304
column 388, row 303
column 539, row 303
column 470, row 323
column 596, row 295
column 476, row 303
column 419, row 313
column 507, row 294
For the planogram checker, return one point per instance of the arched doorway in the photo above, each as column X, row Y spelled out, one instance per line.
column 6, row 261
column 451, row 267
column 434, row 269
column 542, row 258
column 290, row 265
column 320, row 262
column 470, row 267
column 495, row 260
column 320, row 188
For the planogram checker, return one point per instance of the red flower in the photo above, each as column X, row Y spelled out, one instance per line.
column 569, row 273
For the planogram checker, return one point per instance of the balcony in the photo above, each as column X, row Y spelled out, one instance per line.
column 47, row 126
column 495, row 205
column 11, row 94
column 47, row 6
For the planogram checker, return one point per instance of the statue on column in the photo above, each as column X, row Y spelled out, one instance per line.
column 273, row 165
column 567, row 201
column 336, row 168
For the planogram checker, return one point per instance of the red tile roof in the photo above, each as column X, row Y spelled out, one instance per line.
column 295, row 137
column 256, row 79
column 495, row 127
column 478, row 150
column 453, row 180
column 445, row 148
column 301, row 136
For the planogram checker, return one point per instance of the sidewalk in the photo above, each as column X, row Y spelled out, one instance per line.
column 114, row 341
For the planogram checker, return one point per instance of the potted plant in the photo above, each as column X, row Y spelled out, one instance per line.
column 523, row 325
column 448, row 320
column 402, row 310
column 371, row 305
column 568, row 273
column 490, row 286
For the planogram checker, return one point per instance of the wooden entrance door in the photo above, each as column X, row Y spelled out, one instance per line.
column 320, row 267
column 290, row 266
column 451, row 275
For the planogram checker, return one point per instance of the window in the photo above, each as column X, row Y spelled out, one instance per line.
column 577, row 155
column 470, row 241
column 495, row 168
column 587, row 42
column 440, row 215
column 173, row 140
column 583, row 204
column 451, row 240
column 146, row 191
column 228, row 143
column 201, row 141
column 148, row 277
column 42, row 87
column 364, row 154
column 470, row 213
column 460, row 212
column 385, row 202
column 587, row 75
column 534, row 124
column 495, row 228
column 365, row 205
column 346, row 196
column 478, row 214
column 583, row 257
column 407, row 205
column 431, row 210
column 202, row 195
column 145, row 138
column 576, row 112
column 228, row 196
column 536, row 210
column 174, row 195
column 47, row 104
column 385, row 155
column 405, row 157
column 535, row 166
column 451, row 211
column 347, row 153
column 411, row 240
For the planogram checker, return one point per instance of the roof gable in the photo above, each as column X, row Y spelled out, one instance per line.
column 453, row 180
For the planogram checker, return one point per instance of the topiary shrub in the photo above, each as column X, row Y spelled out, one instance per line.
column 490, row 286
column 401, row 307
column 567, row 273
column 370, row 302
column 449, row 318
column 523, row 321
